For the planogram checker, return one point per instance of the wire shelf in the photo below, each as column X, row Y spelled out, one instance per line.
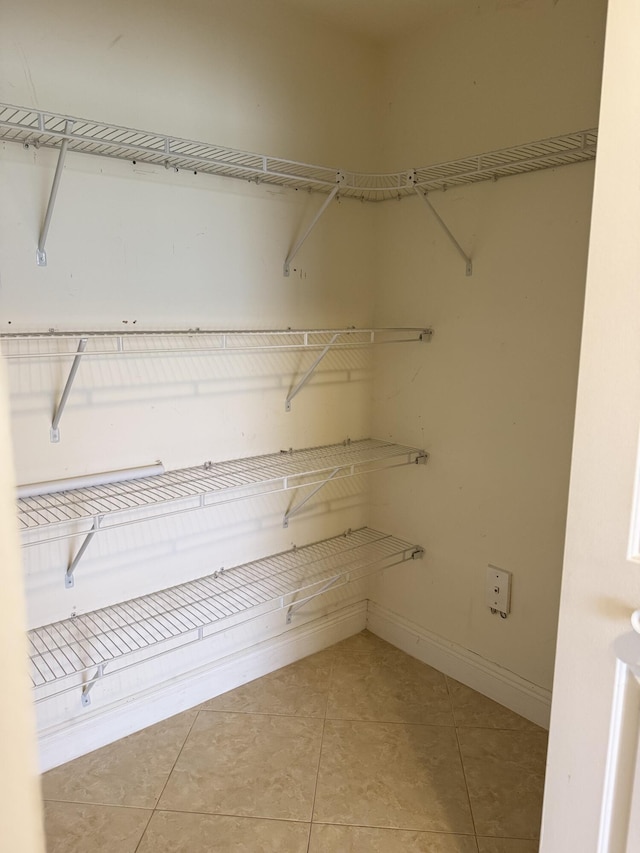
column 63, row 515
column 63, row 653
column 173, row 342
column 38, row 128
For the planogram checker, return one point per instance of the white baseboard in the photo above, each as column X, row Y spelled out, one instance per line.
column 104, row 725
column 488, row 678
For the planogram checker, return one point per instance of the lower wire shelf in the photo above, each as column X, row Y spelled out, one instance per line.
column 76, row 653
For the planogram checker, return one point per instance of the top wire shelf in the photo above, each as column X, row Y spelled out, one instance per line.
column 38, row 128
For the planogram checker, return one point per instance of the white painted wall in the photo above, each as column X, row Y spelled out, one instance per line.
column 600, row 586
column 20, row 815
column 494, row 400
column 139, row 247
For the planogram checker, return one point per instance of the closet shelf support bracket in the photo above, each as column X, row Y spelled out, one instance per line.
column 296, row 509
column 340, row 180
column 55, row 431
column 68, row 577
column 307, row 376
column 324, row 588
column 85, row 698
column 412, row 178
column 41, row 255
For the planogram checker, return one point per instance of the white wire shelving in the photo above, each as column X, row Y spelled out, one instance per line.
column 40, row 128
column 79, row 345
column 60, row 345
column 74, row 654
column 83, row 512
column 66, row 133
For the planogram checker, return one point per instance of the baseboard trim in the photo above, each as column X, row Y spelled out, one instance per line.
column 119, row 719
column 488, row 678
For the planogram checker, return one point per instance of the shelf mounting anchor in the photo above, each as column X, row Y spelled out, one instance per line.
column 330, row 583
column 41, row 255
column 412, row 179
column 296, row 509
column 68, row 577
column 307, row 376
column 90, row 684
column 55, row 431
column 340, row 179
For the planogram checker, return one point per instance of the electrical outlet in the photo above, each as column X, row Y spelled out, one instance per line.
column 498, row 590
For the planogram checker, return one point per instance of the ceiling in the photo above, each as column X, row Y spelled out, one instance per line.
column 378, row 19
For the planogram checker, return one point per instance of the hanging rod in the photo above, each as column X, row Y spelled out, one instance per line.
column 30, row 126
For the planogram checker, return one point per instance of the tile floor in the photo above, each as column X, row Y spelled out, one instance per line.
column 356, row 749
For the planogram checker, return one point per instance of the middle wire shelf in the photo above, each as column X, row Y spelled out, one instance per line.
column 78, row 512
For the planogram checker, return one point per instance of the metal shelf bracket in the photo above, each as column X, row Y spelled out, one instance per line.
column 55, row 431
column 85, row 698
column 297, row 507
column 307, row 376
column 68, row 577
column 340, row 180
column 412, row 178
column 327, row 586
column 41, row 255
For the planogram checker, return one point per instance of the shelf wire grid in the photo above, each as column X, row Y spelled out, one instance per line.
column 197, row 609
column 33, row 345
column 30, row 126
column 56, row 516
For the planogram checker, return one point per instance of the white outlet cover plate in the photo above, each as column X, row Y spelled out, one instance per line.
column 498, row 589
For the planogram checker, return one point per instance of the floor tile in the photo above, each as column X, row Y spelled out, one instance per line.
column 471, row 708
column 360, row 839
column 177, row 832
column 363, row 643
column 506, row 845
column 82, row 827
column 505, row 776
column 131, row 771
column 249, row 765
column 392, row 775
column 300, row 689
column 389, row 687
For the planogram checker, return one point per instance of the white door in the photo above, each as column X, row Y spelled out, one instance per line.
column 601, row 580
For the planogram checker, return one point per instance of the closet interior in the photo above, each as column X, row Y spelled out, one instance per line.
column 259, row 403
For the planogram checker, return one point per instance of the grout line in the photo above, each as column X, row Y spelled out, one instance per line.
column 144, row 831
column 260, row 713
column 435, row 832
column 394, row 723
column 173, row 766
column 167, row 810
column 102, row 805
column 324, row 723
column 464, row 776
